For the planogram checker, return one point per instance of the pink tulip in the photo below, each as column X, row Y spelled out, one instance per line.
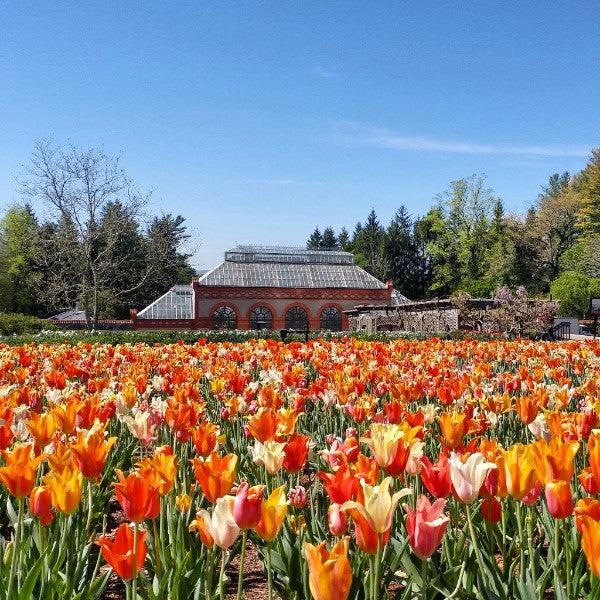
column 246, row 506
column 337, row 520
column 426, row 525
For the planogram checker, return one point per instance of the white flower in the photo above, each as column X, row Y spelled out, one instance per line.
column 468, row 477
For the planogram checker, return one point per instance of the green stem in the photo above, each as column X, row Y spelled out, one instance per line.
column 474, row 539
column 156, row 550
column 128, row 590
column 209, row 575
column 269, row 571
column 134, row 580
column 424, row 574
column 521, row 543
column 529, row 519
column 558, row 582
column 377, row 569
column 89, row 515
column 567, row 556
column 241, row 571
column 222, row 576
column 16, row 548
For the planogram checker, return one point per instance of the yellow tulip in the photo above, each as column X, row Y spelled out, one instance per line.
column 273, row 512
column 65, row 489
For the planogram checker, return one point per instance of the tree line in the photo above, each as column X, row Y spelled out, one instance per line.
column 95, row 249
column 468, row 243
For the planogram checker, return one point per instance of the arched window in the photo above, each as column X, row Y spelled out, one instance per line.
column 261, row 318
column 224, row 318
column 296, row 318
column 331, row 319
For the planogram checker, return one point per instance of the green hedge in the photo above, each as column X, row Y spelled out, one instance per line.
column 17, row 324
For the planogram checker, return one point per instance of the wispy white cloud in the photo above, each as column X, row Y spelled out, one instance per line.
column 325, row 72
column 350, row 133
column 287, row 183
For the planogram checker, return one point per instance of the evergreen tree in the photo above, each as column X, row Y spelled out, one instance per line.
column 315, row 239
column 400, row 254
column 328, row 240
column 344, row 239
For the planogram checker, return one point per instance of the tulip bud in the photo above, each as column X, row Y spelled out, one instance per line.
column 183, row 502
column 533, row 494
column 297, row 497
column 337, row 520
column 491, row 509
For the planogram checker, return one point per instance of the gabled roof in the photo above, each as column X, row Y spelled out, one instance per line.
column 252, row 266
column 177, row 303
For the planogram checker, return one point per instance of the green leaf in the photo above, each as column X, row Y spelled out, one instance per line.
column 29, row 583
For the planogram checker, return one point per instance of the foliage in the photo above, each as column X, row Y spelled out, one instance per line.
column 97, row 253
column 574, row 290
column 16, row 324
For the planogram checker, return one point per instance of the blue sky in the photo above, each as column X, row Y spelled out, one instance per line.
column 258, row 121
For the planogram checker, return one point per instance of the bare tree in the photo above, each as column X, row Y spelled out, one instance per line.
column 95, row 240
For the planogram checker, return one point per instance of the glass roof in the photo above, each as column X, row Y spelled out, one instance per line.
column 288, row 255
column 177, row 303
column 290, row 275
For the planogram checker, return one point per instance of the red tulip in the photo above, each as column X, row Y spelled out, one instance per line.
column 119, row 553
column 436, row 477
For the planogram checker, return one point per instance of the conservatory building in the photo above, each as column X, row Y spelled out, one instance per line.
column 258, row 287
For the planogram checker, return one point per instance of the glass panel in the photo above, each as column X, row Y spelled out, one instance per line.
column 224, row 318
column 296, row 318
column 331, row 319
column 261, row 318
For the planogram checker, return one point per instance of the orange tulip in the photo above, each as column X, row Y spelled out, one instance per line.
column 586, row 507
column 61, row 458
column 273, row 511
column 594, row 453
column 559, row 499
column 329, row 573
column 590, row 542
column 454, row 427
column 119, row 553
column 263, row 425
column 65, row 415
column 215, row 475
column 527, row 408
column 589, row 482
column 160, row 471
column 554, row 459
column 205, row 438
column 519, row 470
column 41, row 428
column 19, row 473
column 137, row 496
column 65, row 489
column 90, row 453
column 367, row 538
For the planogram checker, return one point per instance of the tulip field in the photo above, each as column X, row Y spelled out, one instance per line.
column 352, row 469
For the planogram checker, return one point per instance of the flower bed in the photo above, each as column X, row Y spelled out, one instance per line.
column 355, row 469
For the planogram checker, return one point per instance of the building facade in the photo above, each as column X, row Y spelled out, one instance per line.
column 269, row 288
